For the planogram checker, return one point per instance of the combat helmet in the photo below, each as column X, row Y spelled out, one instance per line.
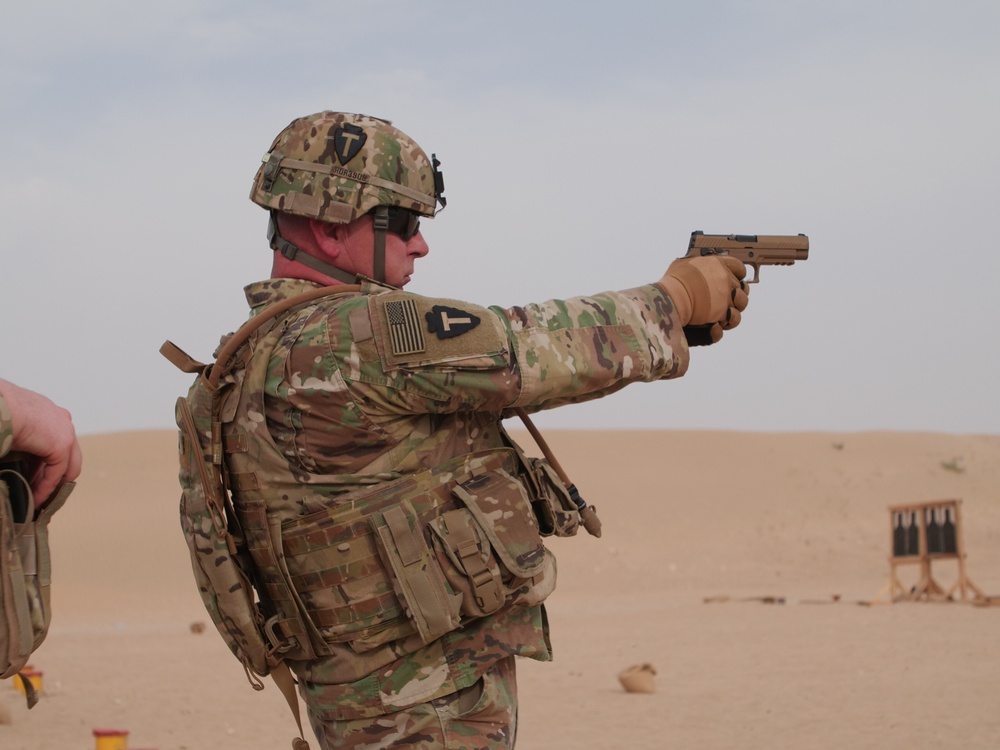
column 338, row 166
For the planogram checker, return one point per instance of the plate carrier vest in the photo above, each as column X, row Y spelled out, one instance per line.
column 418, row 555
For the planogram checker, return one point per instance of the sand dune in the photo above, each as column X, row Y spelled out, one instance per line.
column 701, row 529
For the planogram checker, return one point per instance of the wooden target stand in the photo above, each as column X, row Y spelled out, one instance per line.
column 921, row 534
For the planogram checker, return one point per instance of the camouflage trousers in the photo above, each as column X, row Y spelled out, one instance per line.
column 482, row 716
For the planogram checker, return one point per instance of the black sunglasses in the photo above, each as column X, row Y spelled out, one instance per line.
column 402, row 222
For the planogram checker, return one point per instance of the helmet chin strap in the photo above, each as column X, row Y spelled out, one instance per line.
column 295, row 253
column 381, row 226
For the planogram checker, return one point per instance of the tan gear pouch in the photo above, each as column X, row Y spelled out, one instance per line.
column 500, row 505
column 467, row 562
column 554, row 509
column 430, row 603
column 463, row 552
column 490, row 550
column 25, row 569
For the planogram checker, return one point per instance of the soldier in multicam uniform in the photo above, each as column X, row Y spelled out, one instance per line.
column 32, row 424
column 394, row 528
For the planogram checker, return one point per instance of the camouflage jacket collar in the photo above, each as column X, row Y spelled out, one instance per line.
column 262, row 293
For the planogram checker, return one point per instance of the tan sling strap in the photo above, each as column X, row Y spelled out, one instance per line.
column 185, row 363
column 237, row 339
column 282, row 677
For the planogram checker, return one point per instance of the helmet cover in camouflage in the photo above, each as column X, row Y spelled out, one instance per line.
column 337, row 166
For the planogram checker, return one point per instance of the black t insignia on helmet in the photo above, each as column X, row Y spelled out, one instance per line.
column 347, row 141
column 448, row 322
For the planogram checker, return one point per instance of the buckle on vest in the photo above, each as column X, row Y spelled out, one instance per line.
column 485, row 588
column 279, row 644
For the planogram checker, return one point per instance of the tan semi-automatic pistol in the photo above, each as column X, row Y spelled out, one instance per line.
column 753, row 249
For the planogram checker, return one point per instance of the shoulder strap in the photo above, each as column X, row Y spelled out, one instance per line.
column 222, row 361
column 185, row 363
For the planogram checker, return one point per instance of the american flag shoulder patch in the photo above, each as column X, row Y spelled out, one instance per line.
column 404, row 327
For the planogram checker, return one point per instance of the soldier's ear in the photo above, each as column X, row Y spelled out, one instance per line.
column 327, row 236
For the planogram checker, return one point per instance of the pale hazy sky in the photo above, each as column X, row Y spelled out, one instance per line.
column 581, row 143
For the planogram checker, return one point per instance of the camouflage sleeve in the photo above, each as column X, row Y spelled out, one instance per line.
column 583, row 348
column 6, row 428
column 537, row 356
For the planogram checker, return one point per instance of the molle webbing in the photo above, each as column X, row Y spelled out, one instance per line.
column 262, row 542
column 361, row 570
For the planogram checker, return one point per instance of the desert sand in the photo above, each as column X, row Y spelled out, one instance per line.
column 742, row 566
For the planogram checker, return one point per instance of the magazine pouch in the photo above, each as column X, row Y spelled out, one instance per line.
column 554, row 508
column 489, row 547
column 25, row 568
column 458, row 559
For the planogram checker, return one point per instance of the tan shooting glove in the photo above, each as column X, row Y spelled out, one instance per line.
column 709, row 293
